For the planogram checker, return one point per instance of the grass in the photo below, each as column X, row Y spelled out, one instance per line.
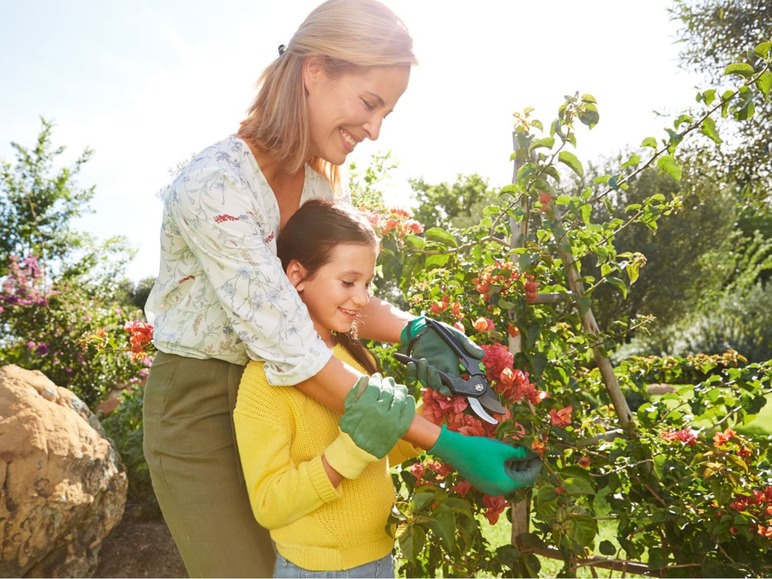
column 762, row 424
column 501, row 534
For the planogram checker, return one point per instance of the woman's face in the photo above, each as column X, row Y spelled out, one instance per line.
column 349, row 109
column 337, row 292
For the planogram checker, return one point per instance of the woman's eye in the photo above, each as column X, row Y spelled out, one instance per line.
column 368, row 105
column 348, row 284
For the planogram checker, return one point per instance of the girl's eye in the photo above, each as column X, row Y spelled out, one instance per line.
column 368, row 105
column 348, row 284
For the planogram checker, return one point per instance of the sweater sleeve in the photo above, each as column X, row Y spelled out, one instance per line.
column 279, row 491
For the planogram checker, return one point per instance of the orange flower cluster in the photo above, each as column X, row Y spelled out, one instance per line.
column 759, row 506
column 501, row 276
column 395, row 220
column 511, row 384
column 436, row 308
column 140, row 338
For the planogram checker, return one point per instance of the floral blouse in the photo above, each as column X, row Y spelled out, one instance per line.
column 221, row 291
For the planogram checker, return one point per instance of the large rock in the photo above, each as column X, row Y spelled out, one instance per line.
column 62, row 485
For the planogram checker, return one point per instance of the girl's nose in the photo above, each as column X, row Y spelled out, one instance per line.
column 362, row 297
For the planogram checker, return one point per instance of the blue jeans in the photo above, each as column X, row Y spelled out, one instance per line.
column 381, row 569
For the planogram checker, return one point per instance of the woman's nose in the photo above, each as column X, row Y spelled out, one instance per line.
column 373, row 127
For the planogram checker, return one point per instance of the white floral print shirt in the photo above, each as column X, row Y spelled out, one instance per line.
column 221, row 291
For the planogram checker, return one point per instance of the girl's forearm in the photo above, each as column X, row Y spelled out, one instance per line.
column 333, row 383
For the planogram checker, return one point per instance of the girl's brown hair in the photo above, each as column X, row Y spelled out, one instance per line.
column 351, row 36
column 311, row 235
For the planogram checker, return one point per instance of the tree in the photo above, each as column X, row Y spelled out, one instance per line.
column 456, row 205
column 57, row 283
column 675, row 276
column 715, row 32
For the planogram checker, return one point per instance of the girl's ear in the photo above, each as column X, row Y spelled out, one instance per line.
column 296, row 274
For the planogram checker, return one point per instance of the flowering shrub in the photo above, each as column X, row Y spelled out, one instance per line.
column 679, row 489
column 43, row 325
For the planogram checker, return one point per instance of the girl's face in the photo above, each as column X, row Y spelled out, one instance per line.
column 349, row 109
column 337, row 292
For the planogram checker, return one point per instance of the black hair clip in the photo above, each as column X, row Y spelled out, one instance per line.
column 282, row 49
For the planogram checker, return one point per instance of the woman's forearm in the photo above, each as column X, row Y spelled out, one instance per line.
column 336, row 379
column 383, row 322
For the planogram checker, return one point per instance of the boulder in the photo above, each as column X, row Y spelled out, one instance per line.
column 62, row 484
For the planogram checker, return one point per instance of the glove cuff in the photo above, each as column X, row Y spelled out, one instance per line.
column 412, row 330
column 443, row 448
column 347, row 458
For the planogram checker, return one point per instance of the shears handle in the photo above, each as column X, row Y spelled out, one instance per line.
column 474, row 387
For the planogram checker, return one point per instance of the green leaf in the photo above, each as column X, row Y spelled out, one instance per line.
column 547, row 142
column 443, row 525
column 668, row 164
column 584, row 303
column 633, row 161
column 740, row 68
column 586, row 212
column 412, row 542
column 649, row 142
column 583, row 529
column 572, row 161
column 764, row 83
column 589, row 115
column 763, row 49
column 708, row 128
column 578, row 486
column 607, row 548
column 415, row 241
column 422, row 498
column 439, row 235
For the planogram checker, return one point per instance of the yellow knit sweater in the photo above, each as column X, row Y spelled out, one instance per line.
column 281, row 435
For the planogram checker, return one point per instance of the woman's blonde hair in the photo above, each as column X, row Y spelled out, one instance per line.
column 351, row 36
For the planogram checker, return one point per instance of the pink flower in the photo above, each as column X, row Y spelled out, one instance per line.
column 686, row 436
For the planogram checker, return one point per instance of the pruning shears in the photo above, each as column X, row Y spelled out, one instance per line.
column 476, row 387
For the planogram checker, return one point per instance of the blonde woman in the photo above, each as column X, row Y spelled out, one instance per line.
column 221, row 297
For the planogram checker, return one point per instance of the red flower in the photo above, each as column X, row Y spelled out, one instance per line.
column 462, row 487
column 539, row 447
column 545, row 199
column 585, row 462
column 483, row 325
column 562, row 417
column 496, row 359
column 418, row 470
column 685, row 436
column 721, row 438
column 495, row 506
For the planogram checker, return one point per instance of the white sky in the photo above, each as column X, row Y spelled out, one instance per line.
column 146, row 84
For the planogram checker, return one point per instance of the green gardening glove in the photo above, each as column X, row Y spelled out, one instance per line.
column 433, row 353
column 377, row 413
column 492, row 466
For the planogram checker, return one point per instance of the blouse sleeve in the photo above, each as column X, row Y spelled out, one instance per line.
column 228, row 232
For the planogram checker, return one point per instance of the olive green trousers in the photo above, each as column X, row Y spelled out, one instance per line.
column 190, row 448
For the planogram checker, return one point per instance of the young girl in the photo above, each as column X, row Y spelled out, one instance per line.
column 317, row 480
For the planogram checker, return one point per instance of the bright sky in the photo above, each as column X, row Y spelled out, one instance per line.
column 146, row 84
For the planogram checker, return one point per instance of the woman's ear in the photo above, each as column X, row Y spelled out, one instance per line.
column 313, row 71
column 296, row 274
